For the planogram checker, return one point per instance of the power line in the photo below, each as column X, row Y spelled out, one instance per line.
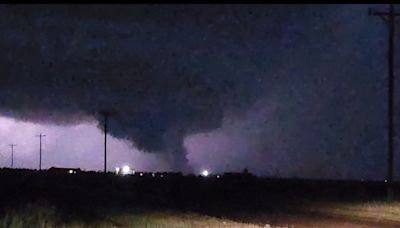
column 40, row 149
column 12, row 154
column 389, row 18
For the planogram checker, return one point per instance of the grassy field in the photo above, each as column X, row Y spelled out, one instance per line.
column 327, row 214
column 45, row 199
column 39, row 216
column 381, row 211
column 332, row 214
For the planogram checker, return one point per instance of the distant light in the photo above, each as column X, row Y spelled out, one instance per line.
column 117, row 170
column 125, row 170
column 385, row 181
column 70, row 171
column 141, row 174
column 218, row 176
column 153, row 174
column 204, row 173
column 161, row 176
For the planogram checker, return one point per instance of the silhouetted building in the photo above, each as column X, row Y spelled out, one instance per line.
column 64, row 170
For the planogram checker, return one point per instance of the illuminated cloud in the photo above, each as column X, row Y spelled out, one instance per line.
column 70, row 146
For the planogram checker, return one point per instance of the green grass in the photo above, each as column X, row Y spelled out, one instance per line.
column 43, row 216
column 40, row 215
column 31, row 216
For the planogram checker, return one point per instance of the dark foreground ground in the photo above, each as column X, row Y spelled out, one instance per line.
column 233, row 201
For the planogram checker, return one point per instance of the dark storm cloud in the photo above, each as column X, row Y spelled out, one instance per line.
column 165, row 72
column 169, row 72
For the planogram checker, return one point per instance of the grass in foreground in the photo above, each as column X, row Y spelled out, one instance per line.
column 336, row 214
column 46, row 217
column 371, row 211
column 313, row 214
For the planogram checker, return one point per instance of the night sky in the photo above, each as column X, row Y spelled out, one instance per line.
column 283, row 90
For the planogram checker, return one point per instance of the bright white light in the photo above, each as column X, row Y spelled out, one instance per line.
column 117, row 170
column 218, row 176
column 141, row 174
column 385, row 181
column 153, row 174
column 125, row 170
column 204, row 173
column 70, row 171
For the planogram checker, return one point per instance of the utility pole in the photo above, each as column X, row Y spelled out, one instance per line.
column 40, row 149
column 105, row 115
column 12, row 154
column 389, row 17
